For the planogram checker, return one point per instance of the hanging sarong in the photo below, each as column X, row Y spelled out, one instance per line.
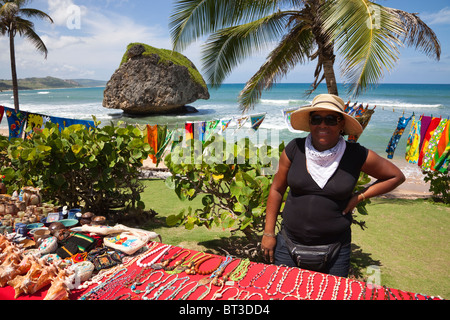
column 2, row 111
column 16, row 122
column 189, row 130
column 241, row 121
column 432, row 145
column 425, row 123
column 225, row 125
column 164, row 138
column 287, row 113
column 412, row 144
column 211, row 127
column 444, row 141
column 65, row 122
column 152, row 139
column 444, row 161
column 35, row 122
column 257, row 120
column 433, row 125
column 201, row 128
column 401, row 126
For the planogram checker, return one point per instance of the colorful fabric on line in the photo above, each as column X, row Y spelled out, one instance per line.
column 201, row 128
column 189, row 130
column 2, row 111
column 425, row 123
column 413, row 142
column 35, row 122
column 164, row 138
column 432, row 145
column 241, row 121
column 442, row 163
column 211, row 127
column 152, row 139
column 257, row 120
column 287, row 113
column 64, row 122
column 444, row 141
column 16, row 122
column 225, row 124
column 401, row 126
column 433, row 125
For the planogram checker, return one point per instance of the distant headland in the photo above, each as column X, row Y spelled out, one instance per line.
column 50, row 83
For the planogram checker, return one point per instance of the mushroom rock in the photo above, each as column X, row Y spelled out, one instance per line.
column 154, row 81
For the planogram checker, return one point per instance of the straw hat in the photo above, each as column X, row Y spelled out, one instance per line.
column 300, row 118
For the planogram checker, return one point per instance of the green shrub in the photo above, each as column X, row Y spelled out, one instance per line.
column 234, row 180
column 96, row 168
column 439, row 185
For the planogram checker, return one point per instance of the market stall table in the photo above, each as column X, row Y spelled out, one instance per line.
column 143, row 277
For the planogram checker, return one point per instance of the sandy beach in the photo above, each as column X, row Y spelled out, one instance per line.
column 414, row 186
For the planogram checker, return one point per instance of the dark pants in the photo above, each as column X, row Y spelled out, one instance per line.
column 338, row 267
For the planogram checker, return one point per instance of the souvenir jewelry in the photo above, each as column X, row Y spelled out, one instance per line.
column 139, row 263
column 240, row 271
column 337, row 284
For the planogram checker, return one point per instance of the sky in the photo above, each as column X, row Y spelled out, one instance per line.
column 88, row 39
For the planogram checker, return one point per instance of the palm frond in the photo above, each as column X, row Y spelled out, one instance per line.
column 34, row 13
column 418, row 34
column 193, row 19
column 26, row 28
column 295, row 48
column 228, row 47
column 367, row 35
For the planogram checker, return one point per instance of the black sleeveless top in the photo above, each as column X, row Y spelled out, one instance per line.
column 313, row 216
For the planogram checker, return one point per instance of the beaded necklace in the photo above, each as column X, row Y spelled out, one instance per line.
column 322, row 288
column 139, row 263
column 240, row 271
column 169, row 286
column 337, row 284
column 254, row 279
column 136, row 284
column 183, row 265
column 93, row 291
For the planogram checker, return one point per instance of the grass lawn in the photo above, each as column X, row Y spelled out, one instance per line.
column 406, row 239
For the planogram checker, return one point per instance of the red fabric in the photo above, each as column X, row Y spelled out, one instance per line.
column 261, row 282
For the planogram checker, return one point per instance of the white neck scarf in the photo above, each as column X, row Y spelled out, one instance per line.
column 322, row 165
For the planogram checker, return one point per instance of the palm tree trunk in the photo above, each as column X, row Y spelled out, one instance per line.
column 13, row 70
column 330, row 76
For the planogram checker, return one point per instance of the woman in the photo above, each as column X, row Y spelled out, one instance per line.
column 321, row 172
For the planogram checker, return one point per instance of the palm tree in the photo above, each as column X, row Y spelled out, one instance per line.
column 367, row 36
column 11, row 23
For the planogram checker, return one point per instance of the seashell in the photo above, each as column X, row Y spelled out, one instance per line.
column 45, row 279
column 59, row 289
column 24, row 284
column 11, row 253
column 7, row 273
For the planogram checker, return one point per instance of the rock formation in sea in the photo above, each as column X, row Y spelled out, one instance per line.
column 154, row 81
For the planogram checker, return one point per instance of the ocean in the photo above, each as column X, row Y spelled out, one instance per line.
column 392, row 101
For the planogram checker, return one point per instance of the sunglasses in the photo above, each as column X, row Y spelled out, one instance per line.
column 330, row 120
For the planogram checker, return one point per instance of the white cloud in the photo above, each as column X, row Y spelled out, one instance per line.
column 441, row 17
column 94, row 49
